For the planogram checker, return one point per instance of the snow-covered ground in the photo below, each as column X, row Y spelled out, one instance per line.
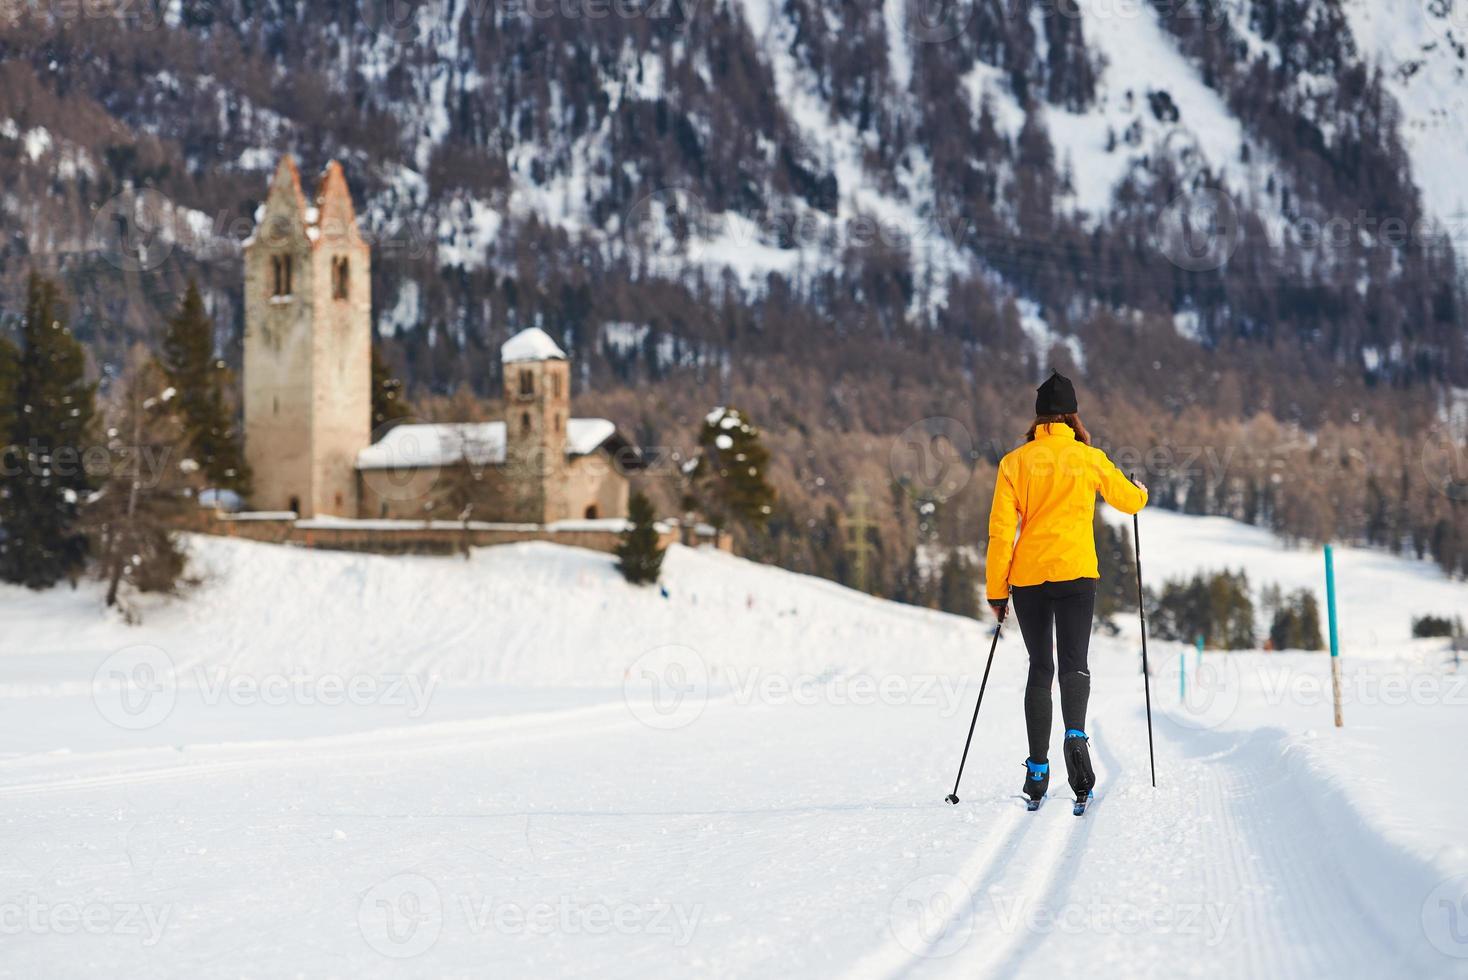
column 342, row 765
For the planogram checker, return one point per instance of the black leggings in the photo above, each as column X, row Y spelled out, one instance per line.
column 1065, row 607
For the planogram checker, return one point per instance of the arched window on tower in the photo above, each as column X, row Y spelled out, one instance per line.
column 527, row 384
column 340, row 277
column 525, row 423
column 280, row 266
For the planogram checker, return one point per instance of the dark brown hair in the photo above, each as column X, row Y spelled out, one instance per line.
column 1072, row 419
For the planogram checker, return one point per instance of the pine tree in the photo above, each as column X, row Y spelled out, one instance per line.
column 1117, row 590
column 1296, row 624
column 150, row 485
column 203, row 384
column 388, row 404
column 958, row 589
column 9, row 374
column 639, row 558
column 730, row 478
column 44, row 478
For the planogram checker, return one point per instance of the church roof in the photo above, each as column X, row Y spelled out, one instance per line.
column 531, row 345
column 482, row 443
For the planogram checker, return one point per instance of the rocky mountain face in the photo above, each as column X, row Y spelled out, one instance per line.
column 848, row 216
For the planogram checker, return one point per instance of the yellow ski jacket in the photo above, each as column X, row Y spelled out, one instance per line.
column 1046, row 493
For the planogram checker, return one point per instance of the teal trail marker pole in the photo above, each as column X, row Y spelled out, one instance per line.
column 1199, row 662
column 1335, row 648
column 1182, row 677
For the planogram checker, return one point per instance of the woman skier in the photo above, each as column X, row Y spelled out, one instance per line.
column 1046, row 495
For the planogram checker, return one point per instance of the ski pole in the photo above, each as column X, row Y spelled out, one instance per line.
column 1142, row 612
column 953, row 797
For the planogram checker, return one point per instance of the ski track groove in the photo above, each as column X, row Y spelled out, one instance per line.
column 893, row 959
column 1326, row 931
column 268, row 755
column 988, row 867
column 1045, row 887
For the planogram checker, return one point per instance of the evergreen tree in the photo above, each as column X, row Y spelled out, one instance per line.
column 730, row 479
column 1296, row 624
column 1217, row 608
column 1117, row 590
column 9, row 374
column 639, row 558
column 388, row 403
column 149, row 486
column 203, row 384
column 1425, row 627
column 44, row 480
column 958, row 589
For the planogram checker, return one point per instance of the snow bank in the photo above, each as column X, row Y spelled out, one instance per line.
column 531, row 614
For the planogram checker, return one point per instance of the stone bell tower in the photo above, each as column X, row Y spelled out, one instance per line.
column 537, row 411
column 308, row 347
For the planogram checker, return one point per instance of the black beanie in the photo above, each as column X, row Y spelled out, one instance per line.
column 1057, row 396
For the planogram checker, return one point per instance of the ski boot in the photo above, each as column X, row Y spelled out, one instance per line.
column 1078, row 763
column 1037, row 780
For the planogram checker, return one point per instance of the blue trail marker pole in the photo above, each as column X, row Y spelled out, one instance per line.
column 1335, row 648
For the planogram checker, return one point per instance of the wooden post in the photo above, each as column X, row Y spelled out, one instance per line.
column 1335, row 649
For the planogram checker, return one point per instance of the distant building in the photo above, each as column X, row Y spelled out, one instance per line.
column 307, row 395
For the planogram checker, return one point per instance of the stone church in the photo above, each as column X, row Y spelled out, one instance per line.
column 308, row 403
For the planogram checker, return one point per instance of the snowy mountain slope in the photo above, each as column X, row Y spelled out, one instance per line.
column 802, row 139
column 621, row 816
column 1420, row 47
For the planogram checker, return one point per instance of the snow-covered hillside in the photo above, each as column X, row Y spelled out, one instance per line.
column 898, row 156
column 344, row 764
column 1420, row 48
column 1378, row 594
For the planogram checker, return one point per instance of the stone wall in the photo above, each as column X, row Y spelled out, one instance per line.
column 391, row 537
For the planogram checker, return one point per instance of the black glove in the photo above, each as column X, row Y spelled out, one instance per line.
column 1000, row 607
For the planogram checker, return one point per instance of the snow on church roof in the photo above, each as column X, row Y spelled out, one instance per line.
column 531, row 345
column 482, row 443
